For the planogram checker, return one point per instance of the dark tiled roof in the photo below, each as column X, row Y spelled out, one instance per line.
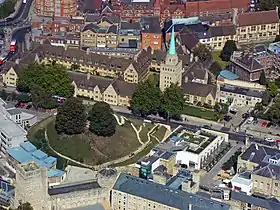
column 165, row 195
column 132, row 26
column 150, row 25
column 264, row 203
column 98, row 19
column 62, row 189
column 214, row 18
column 198, row 89
column 77, row 21
column 123, row 88
column 249, row 62
column 187, row 38
column 81, row 57
column 242, row 91
column 196, row 72
column 222, row 30
column 142, row 61
column 257, row 18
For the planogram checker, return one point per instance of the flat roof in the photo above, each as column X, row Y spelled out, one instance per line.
column 10, row 128
column 55, row 173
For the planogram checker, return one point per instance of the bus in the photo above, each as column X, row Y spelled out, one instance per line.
column 4, row 57
column 13, row 46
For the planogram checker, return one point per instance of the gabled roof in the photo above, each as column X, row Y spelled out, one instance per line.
column 257, row 18
column 199, row 89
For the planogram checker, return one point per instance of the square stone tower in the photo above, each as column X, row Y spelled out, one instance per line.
column 171, row 69
column 32, row 185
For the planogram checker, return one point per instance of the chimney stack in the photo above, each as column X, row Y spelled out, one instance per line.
column 88, row 76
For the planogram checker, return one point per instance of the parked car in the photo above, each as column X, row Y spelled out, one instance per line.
column 250, row 120
column 29, row 106
column 264, row 124
column 270, row 124
column 245, row 115
column 233, row 111
column 227, row 118
column 269, row 139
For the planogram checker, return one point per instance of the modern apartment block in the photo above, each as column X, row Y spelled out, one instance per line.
column 56, row 8
column 11, row 134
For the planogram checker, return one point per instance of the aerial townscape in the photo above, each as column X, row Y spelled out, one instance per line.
column 139, row 105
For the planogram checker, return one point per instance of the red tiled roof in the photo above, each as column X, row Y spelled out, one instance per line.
column 257, row 18
column 215, row 5
column 173, row 7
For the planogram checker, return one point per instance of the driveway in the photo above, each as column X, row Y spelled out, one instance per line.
column 207, row 179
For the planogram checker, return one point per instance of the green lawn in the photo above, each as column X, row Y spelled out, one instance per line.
column 200, row 112
column 139, row 155
column 216, row 57
column 160, row 132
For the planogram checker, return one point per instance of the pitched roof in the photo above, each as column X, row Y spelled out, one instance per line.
column 222, row 30
column 187, row 38
column 165, row 195
column 257, row 18
column 81, row 57
column 199, row 89
column 142, row 61
column 150, row 25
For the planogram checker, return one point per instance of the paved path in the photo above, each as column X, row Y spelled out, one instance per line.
column 207, row 179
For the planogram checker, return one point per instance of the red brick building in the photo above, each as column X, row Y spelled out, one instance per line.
column 215, row 7
column 151, row 35
column 56, row 8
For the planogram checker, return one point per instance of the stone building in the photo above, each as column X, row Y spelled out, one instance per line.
column 171, row 69
column 32, row 186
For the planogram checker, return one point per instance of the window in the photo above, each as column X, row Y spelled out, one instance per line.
column 263, row 27
column 253, row 28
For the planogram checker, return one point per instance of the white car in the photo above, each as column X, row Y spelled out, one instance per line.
column 269, row 139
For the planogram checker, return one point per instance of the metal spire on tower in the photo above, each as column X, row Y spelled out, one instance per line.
column 172, row 48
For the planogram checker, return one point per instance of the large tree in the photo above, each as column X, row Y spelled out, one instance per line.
column 25, row 206
column 272, row 89
column 202, row 52
column 262, row 79
column 71, row 117
column 51, row 79
column 228, row 49
column 215, row 68
column 269, row 4
column 102, row 121
column 145, row 99
column 173, row 101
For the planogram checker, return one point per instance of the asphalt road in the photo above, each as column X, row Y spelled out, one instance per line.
column 21, row 15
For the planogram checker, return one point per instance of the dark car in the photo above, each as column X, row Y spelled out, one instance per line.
column 28, row 106
column 270, row 124
column 245, row 115
column 227, row 118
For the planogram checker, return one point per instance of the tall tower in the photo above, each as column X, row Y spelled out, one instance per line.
column 31, row 185
column 171, row 69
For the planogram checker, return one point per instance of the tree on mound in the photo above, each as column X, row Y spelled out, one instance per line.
column 71, row 117
column 25, row 206
column 102, row 121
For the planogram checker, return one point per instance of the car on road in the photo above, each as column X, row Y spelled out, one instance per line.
column 250, row 120
column 245, row 115
column 233, row 110
column 29, row 106
column 227, row 118
column 269, row 139
column 270, row 124
column 264, row 124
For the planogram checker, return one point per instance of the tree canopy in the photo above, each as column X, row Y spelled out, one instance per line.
column 51, row 79
column 228, row 49
column 272, row 89
column 262, row 79
column 7, row 8
column 71, row 117
column 202, row 52
column 102, row 121
column 215, row 68
column 145, row 99
column 25, row 206
column 269, row 4
column 173, row 101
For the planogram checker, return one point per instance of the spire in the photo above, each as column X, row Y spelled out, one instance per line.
column 172, row 50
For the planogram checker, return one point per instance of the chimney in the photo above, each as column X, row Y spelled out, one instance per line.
column 88, row 51
column 190, row 206
column 257, row 146
column 234, row 16
column 88, row 76
column 17, row 61
column 277, row 10
column 196, row 59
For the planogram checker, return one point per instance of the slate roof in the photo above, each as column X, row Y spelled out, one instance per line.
column 257, row 18
column 150, row 25
column 97, row 19
column 198, row 89
column 130, row 26
column 96, row 29
column 248, row 62
column 222, row 30
column 187, row 38
column 81, row 57
column 121, row 87
column 164, row 195
column 242, row 91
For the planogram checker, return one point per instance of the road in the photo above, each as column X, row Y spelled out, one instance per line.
column 21, row 15
column 207, row 179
